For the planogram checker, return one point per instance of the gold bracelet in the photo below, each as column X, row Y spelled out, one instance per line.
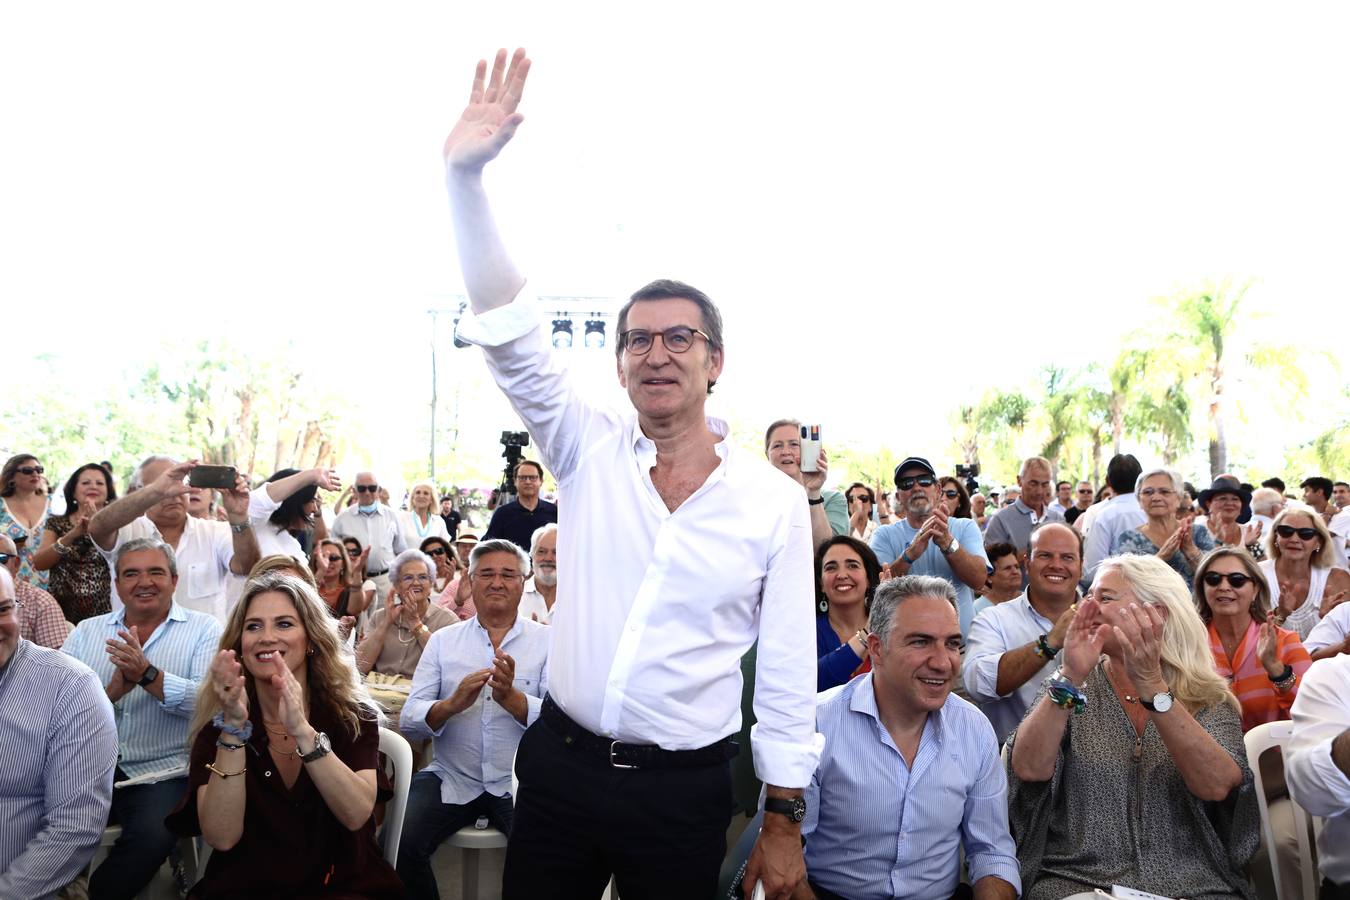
column 212, row 767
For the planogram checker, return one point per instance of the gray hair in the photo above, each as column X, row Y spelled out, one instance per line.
column 890, row 593
column 496, row 545
column 1178, row 485
column 137, row 480
column 1039, row 462
column 540, row 535
column 1266, row 501
column 147, row 543
column 411, row 555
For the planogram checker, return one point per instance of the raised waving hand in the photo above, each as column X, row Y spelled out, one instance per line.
column 490, row 119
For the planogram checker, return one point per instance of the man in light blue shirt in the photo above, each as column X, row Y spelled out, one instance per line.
column 1118, row 515
column 910, row 773
column 479, row 684
column 927, row 541
column 152, row 655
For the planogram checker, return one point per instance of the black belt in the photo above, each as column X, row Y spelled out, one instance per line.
column 632, row 756
column 377, row 574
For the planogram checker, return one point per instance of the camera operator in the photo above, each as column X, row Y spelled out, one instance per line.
column 518, row 520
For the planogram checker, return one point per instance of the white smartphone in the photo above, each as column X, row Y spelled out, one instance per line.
column 810, row 448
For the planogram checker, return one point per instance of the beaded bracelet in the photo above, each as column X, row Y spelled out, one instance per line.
column 243, row 732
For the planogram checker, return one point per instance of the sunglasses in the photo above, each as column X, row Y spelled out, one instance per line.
column 436, row 551
column 1235, row 579
column 363, row 488
column 6, row 557
column 333, row 559
column 951, row 494
column 1306, row 534
column 908, row 482
column 30, row 470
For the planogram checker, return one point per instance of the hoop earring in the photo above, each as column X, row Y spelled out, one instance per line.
column 823, row 605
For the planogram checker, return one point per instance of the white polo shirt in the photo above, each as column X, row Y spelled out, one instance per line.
column 203, row 554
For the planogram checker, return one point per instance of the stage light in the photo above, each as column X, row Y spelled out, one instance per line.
column 595, row 334
column 562, row 333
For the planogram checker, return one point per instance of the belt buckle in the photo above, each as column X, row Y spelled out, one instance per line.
column 615, row 763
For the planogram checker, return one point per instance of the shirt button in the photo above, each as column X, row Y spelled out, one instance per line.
column 632, row 628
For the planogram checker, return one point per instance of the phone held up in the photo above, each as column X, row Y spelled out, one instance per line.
column 810, row 448
column 219, row 477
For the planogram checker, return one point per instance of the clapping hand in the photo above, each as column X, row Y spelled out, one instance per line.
column 490, row 120
column 466, row 694
column 290, row 697
column 1267, row 648
column 1083, row 642
column 127, row 654
column 1172, row 544
column 503, row 676
column 1139, row 634
column 227, row 677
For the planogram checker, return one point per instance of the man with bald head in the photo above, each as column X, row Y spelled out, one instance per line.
column 375, row 525
column 1012, row 646
column 40, row 618
column 207, row 551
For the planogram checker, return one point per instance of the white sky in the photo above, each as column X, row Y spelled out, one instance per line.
column 896, row 205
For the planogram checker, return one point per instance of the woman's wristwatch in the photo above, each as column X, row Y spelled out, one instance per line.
column 322, row 747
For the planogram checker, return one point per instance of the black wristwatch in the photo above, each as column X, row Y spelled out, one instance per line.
column 794, row 809
column 151, row 673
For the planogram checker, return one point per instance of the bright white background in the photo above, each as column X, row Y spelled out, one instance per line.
column 896, row 205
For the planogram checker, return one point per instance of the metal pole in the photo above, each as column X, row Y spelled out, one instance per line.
column 431, row 463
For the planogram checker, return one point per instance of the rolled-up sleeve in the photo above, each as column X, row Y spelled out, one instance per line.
column 985, row 646
column 989, row 845
column 784, row 741
column 1320, row 716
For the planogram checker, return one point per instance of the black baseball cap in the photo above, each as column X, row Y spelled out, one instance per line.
column 912, row 462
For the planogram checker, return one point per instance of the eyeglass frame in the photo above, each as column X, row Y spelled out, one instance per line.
column 623, row 339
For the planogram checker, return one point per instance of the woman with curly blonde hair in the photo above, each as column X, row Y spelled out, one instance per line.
column 284, row 755
column 1130, row 769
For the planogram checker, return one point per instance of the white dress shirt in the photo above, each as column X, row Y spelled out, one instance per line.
column 379, row 531
column 651, row 631
column 1321, row 714
column 1331, row 631
column 475, row 749
column 533, row 606
column 272, row 541
column 995, row 631
column 1120, row 513
column 203, row 555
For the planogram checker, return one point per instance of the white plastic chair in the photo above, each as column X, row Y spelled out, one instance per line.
column 1260, row 739
column 473, row 841
column 395, row 746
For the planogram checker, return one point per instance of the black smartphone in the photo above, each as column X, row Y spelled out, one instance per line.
column 218, row 477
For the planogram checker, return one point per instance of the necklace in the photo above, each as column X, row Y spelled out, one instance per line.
column 411, row 636
column 283, row 732
column 417, row 523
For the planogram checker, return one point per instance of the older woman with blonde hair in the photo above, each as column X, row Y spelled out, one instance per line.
column 421, row 519
column 1299, row 569
column 282, row 775
column 1130, row 768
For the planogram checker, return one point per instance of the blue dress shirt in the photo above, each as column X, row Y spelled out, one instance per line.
column 475, row 749
column 878, row 829
column 152, row 735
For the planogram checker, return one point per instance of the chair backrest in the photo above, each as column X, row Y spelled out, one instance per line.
column 395, row 746
column 1260, row 739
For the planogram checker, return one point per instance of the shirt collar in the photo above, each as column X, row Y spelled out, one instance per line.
column 864, row 700
column 514, row 630
column 643, row 444
column 176, row 613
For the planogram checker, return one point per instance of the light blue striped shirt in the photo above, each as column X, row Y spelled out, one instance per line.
column 152, row 736
column 474, row 749
column 60, row 748
column 876, row 829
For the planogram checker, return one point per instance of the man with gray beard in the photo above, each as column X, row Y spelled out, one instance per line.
column 542, row 588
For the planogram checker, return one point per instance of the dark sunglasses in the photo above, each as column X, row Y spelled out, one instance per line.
column 6, row 557
column 908, row 482
column 1235, row 579
column 436, row 551
column 1306, row 534
column 363, row 488
column 952, row 494
column 334, row 558
column 30, row 470
column 860, row 498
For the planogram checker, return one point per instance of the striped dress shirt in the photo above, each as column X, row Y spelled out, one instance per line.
column 60, row 749
column 475, row 749
column 152, row 736
column 878, row 829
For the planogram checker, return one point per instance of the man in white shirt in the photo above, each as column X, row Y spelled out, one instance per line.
column 376, row 526
column 1317, row 764
column 1117, row 515
column 1012, row 646
column 478, row 685
column 541, row 590
column 207, row 551
column 706, row 551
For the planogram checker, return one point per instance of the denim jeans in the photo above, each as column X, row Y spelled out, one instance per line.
column 429, row 821
column 145, row 842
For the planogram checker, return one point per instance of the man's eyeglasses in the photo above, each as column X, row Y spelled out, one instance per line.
column 495, row 576
column 1287, row 531
column 1085, row 490
column 364, row 488
column 951, row 494
column 678, row 339
column 1235, row 579
column 907, row 483
column 30, row 470
column 436, row 551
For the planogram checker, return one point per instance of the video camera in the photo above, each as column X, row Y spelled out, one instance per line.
column 511, row 442
column 969, row 473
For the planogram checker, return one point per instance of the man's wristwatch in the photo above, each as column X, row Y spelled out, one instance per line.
column 151, row 673
column 1160, row 703
column 322, row 747
column 240, row 528
column 951, row 548
column 794, row 809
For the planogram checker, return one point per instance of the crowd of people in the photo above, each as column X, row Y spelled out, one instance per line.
column 1041, row 691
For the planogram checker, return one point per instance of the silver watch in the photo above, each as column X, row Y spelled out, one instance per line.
column 1160, row 702
column 322, row 747
column 951, row 548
